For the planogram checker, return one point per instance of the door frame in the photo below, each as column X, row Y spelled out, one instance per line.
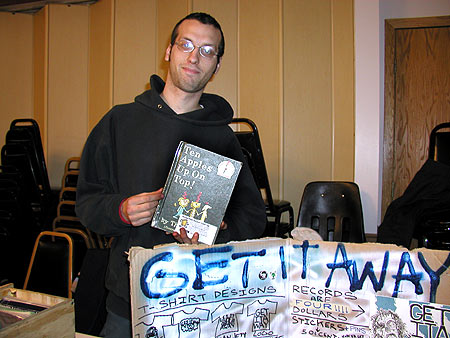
column 391, row 25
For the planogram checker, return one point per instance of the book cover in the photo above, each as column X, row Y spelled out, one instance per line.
column 197, row 192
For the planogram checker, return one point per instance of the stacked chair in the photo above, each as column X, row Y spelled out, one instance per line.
column 65, row 245
column 66, row 219
column 18, row 227
column 23, row 150
column 26, row 200
column 39, row 223
column 90, row 294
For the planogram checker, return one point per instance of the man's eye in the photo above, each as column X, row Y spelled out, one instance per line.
column 208, row 50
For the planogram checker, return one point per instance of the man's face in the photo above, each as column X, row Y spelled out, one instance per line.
column 190, row 72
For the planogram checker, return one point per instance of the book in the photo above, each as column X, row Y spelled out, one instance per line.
column 196, row 193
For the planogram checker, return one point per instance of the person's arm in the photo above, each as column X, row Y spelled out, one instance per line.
column 101, row 206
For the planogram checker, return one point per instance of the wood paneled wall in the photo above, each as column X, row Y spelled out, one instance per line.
column 16, row 66
column 288, row 65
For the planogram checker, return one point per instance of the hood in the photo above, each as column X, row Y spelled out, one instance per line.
column 216, row 110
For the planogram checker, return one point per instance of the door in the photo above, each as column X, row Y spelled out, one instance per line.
column 417, row 96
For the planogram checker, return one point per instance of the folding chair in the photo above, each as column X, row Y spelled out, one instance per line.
column 51, row 265
column 252, row 149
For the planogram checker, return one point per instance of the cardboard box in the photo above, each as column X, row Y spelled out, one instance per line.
column 56, row 321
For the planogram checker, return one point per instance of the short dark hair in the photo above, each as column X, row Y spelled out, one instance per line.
column 205, row 19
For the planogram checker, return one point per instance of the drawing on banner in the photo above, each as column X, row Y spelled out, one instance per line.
column 226, row 317
column 395, row 317
column 261, row 311
column 275, row 288
column 388, row 324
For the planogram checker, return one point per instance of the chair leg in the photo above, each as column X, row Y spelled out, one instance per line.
column 277, row 225
column 291, row 219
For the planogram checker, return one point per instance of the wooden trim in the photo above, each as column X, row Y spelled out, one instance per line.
column 40, row 73
column 391, row 25
column 389, row 100
column 434, row 21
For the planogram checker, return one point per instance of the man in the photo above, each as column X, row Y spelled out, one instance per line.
column 127, row 158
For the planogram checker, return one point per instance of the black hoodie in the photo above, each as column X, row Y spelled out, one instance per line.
column 130, row 151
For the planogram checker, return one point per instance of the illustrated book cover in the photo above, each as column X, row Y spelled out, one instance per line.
column 197, row 192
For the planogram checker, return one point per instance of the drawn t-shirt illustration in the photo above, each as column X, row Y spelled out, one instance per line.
column 227, row 318
column 186, row 325
column 261, row 314
column 156, row 328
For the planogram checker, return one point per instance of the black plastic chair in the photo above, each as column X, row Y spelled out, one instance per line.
column 252, row 149
column 334, row 210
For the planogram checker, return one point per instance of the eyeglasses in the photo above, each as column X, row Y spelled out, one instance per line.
column 188, row 46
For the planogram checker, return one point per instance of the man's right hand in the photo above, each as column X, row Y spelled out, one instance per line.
column 139, row 209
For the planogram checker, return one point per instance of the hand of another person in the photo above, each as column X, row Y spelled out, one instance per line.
column 139, row 209
column 182, row 237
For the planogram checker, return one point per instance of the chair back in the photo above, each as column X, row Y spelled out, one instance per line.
column 25, row 137
column 17, row 155
column 334, row 210
column 33, row 127
column 439, row 148
column 252, row 149
column 50, row 269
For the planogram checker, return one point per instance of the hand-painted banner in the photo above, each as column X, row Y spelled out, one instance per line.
column 276, row 288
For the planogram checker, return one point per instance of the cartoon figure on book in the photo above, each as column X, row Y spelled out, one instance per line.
column 128, row 155
column 183, row 202
column 204, row 212
column 194, row 206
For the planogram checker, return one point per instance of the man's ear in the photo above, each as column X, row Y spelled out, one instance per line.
column 217, row 67
column 168, row 51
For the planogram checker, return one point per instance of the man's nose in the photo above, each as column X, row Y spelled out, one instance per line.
column 194, row 55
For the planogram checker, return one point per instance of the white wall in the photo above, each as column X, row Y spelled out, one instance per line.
column 369, row 92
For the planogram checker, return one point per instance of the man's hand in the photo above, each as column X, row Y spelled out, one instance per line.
column 182, row 237
column 139, row 209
